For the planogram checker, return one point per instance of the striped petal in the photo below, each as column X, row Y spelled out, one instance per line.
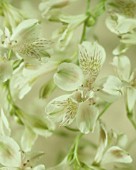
column 91, row 59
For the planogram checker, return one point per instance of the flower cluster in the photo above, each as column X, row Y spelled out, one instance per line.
column 52, row 84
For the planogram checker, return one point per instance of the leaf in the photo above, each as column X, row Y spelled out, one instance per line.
column 10, row 154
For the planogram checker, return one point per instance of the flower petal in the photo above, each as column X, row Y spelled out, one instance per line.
column 86, row 117
column 28, row 139
column 39, row 167
column 10, row 154
column 121, row 63
column 91, row 59
column 4, row 124
column 116, row 154
column 62, row 109
column 131, row 98
column 68, row 77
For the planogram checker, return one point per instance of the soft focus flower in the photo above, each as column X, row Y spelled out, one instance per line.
column 26, row 40
column 111, row 149
column 126, row 8
column 12, row 16
column 123, row 27
column 80, row 105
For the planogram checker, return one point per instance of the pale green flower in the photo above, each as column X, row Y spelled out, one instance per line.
column 10, row 154
column 65, row 109
column 26, row 40
column 123, row 27
column 80, row 105
column 124, row 84
column 126, row 8
column 12, row 16
column 128, row 79
column 111, row 149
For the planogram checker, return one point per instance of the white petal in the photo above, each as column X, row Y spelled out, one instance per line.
column 116, row 154
column 131, row 98
column 91, row 59
column 23, row 28
column 39, row 167
column 86, row 117
column 68, row 77
column 103, row 141
column 62, row 109
column 10, row 154
column 28, row 139
column 112, row 86
column 121, row 63
column 4, row 124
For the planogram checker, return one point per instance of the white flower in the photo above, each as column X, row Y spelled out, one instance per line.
column 124, row 84
column 123, row 27
column 26, row 40
column 110, row 149
column 10, row 154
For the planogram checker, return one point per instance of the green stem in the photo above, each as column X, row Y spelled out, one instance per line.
column 83, row 37
column 105, row 108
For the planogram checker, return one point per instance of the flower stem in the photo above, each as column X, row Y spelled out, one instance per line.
column 83, row 37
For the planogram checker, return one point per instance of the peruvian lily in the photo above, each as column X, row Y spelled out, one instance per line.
column 79, row 105
column 111, row 149
column 12, row 158
column 26, row 41
column 124, row 84
column 123, row 27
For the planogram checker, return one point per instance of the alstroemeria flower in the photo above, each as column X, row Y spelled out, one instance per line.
column 126, row 8
column 123, row 27
column 122, row 84
column 26, row 40
column 79, row 105
column 111, row 149
column 65, row 109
